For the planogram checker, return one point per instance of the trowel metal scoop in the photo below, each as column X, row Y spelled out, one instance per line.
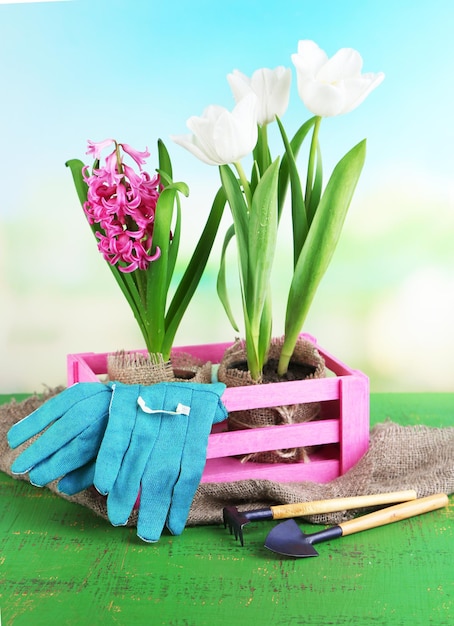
column 287, row 538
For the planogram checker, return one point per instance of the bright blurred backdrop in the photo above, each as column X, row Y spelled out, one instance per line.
column 136, row 70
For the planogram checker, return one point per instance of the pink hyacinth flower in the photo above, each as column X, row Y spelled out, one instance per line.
column 123, row 203
column 139, row 157
column 95, row 148
column 124, row 247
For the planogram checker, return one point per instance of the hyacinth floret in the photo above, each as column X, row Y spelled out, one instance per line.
column 123, row 203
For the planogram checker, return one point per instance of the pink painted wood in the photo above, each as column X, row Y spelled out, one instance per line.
column 340, row 436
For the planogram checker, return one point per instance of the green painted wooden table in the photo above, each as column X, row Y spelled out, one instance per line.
column 59, row 564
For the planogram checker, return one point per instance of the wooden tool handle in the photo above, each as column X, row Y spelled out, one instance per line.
column 394, row 513
column 284, row 511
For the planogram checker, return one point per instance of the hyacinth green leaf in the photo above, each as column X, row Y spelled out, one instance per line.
column 320, row 244
column 76, row 166
column 131, row 291
column 221, row 283
column 128, row 283
column 165, row 164
column 239, row 210
column 131, row 287
column 165, row 173
column 295, row 144
column 174, row 243
column 177, row 186
column 194, row 271
column 157, row 272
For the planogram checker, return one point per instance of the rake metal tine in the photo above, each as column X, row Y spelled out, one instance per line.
column 235, row 526
column 237, row 530
column 227, row 523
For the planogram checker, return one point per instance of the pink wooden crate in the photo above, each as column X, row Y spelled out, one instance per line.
column 340, row 435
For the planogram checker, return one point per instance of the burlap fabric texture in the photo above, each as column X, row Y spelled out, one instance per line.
column 136, row 368
column 306, row 356
column 399, row 457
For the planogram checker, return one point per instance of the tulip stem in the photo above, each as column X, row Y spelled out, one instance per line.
column 311, row 163
column 244, row 183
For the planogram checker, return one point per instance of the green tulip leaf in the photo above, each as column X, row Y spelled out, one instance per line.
column 240, row 216
column 261, row 152
column 266, row 325
column 320, row 244
column 316, row 188
column 299, row 218
column 284, row 174
column 261, row 243
column 221, row 283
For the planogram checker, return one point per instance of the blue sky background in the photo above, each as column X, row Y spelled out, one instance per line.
column 136, row 70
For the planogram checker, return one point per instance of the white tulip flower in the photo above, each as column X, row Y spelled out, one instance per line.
column 332, row 86
column 272, row 88
column 221, row 137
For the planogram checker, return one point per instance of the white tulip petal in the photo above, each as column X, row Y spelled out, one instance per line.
column 220, row 137
column 331, row 86
column 271, row 88
column 359, row 88
column 225, row 138
column 246, row 112
column 321, row 99
column 310, row 57
column 202, row 132
column 189, row 142
column 239, row 84
column 346, row 63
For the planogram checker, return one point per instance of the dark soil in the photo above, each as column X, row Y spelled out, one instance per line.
column 296, row 371
column 183, row 374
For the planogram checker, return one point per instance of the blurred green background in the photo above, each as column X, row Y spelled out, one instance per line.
column 136, row 70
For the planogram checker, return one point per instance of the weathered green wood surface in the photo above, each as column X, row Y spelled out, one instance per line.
column 59, row 564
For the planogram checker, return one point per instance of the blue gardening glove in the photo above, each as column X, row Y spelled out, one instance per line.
column 155, row 443
column 170, row 480
column 75, row 420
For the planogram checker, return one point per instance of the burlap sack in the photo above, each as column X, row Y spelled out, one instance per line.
column 306, row 357
column 399, row 457
column 135, row 368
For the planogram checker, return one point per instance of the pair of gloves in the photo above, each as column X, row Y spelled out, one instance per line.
column 124, row 439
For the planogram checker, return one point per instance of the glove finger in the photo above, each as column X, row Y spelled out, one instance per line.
column 71, row 456
column 123, row 494
column 117, row 439
column 77, row 480
column 66, row 429
column 52, row 410
column 160, row 476
column 221, row 412
column 205, row 405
